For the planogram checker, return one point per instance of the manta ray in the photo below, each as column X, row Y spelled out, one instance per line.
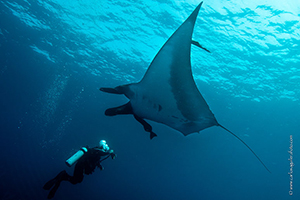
column 167, row 93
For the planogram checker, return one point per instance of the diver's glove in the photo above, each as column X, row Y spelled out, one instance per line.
column 113, row 155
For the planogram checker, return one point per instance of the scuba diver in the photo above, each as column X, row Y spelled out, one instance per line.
column 87, row 160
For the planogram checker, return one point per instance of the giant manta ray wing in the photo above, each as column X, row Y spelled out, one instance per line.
column 168, row 93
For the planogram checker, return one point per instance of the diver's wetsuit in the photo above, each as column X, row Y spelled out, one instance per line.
column 85, row 165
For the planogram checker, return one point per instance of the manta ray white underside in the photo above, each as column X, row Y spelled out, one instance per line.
column 167, row 93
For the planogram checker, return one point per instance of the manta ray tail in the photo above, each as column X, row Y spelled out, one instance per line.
column 245, row 145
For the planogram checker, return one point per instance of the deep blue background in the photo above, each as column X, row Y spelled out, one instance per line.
column 50, row 109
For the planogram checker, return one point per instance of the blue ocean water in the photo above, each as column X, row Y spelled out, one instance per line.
column 55, row 55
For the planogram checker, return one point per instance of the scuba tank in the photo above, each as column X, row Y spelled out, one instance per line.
column 76, row 156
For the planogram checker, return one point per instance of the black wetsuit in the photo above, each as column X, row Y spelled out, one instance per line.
column 85, row 165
